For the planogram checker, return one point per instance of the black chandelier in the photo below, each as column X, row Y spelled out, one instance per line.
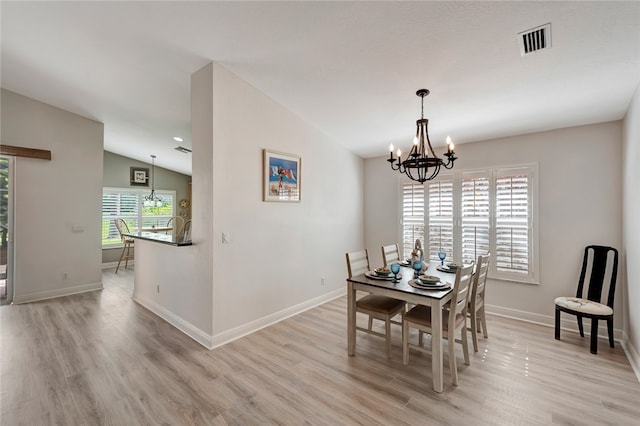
column 152, row 200
column 422, row 163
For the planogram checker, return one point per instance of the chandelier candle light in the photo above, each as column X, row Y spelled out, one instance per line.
column 422, row 163
column 152, row 200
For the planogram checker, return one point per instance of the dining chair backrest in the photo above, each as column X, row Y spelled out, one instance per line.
column 390, row 254
column 177, row 223
column 480, row 278
column 122, row 227
column 603, row 261
column 460, row 296
column 187, row 231
column 357, row 262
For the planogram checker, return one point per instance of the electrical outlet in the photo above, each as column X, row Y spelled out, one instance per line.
column 322, row 281
column 65, row 275
column 158, row 288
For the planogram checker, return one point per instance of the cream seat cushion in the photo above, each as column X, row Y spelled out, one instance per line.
column 583, row 305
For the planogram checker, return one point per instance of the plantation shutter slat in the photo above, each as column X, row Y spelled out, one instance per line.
column 512, row 223
column 126, row 203
column 475, row 217
column 441, row 213
column 413, row 215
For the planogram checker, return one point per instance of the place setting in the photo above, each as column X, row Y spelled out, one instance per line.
column 389, row 273
column 429, row 282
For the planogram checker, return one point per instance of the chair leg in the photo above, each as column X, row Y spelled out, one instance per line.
column 121, row 256
column 126, row 258
column 387, row 331
column 594, row 336
column 474, row 331
column 451, row 343
column 610, row 330
column 420, row 338
column 483, row 319
column 557, row 323
column 465, row 345
column 405, row 342
column 370, row 322
column 580, row 327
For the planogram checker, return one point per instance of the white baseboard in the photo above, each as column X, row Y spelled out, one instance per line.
column 567, row 322
column 185, row 326
column 114, row 264
column 632, row 355
column 211, row 342
column 253, row 326
column 59, row 292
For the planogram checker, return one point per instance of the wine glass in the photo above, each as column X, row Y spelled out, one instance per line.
column 417, row 265
column 395, row 268
column 442, row 255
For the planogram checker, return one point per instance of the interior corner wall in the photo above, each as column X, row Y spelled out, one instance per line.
column 580, row 203
column 50, row 197
column 279, row 253
column 631, row 227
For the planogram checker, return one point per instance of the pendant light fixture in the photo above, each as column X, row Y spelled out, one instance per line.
column 152, row 200
column 422, row 163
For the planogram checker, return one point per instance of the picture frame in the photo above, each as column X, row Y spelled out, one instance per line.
column 139, row 176
column 281, row 176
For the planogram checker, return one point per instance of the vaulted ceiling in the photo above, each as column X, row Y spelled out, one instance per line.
column 351, row 69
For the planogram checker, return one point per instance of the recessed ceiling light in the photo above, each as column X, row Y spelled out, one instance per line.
column 177, row 139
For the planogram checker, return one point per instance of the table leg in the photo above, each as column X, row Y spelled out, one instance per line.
column 436, row 346
column 351, row 319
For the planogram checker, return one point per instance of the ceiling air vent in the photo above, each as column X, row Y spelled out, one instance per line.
column 535, row 39
column 182, row 149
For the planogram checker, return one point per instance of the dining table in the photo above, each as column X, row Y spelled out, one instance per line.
column 403, row 290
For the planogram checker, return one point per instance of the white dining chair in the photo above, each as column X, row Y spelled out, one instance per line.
column 475, row 310
column 378, row 307
column 390, row 254
column 453, row 319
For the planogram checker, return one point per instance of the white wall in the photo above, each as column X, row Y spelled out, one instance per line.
column 278, row 251
column 580, row 204
column 51, row 196
column 631, row 226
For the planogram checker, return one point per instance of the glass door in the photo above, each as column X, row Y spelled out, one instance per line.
column 6, row 229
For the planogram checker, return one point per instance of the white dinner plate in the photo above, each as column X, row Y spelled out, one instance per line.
column 446, row 269
column 372, row 274
column 440, row 286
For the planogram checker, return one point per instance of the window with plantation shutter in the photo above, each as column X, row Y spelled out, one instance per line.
column 475, row 213
column 474, row 216
column 126, row 203
column 412, row 216
column 512, row 252
column 440, row 219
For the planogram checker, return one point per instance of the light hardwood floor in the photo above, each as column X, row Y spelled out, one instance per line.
column 99, row 358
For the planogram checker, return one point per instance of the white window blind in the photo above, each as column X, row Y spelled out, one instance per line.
column 126, row 203
column 412, row 215
column 512, row 222
column 474, row 214
column 440, row 219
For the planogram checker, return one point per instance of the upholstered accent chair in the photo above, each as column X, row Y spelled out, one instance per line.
column 599, row 262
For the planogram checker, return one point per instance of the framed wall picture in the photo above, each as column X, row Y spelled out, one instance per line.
column 139, row 176
column 281, row 177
